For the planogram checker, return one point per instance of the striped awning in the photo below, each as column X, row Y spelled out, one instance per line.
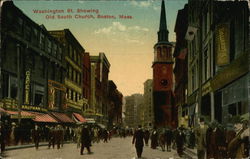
column 79, row 117
column 61, row 117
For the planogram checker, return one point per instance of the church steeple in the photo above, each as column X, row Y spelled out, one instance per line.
column 163, row 31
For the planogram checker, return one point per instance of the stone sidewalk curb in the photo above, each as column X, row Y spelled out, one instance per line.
column 30, row 145
column 190, row 152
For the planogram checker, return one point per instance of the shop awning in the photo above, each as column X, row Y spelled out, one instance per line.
column 79, row 117
column 45, row 118
column 61, row 117
column 24, row 114
column 2, row 111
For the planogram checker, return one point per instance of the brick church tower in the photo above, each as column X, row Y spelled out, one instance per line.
column 163, row 76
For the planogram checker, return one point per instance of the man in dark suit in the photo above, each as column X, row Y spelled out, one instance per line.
column 168, row 138
column 138, row 141
column 36, row 134
column 85, row 139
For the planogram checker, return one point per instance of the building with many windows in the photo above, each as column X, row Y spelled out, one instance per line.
column 181, row 67
column 99, row 88
column 148, row 104
column 217, row 49
column 32, row 70
column 73, row 55
column 133, row 110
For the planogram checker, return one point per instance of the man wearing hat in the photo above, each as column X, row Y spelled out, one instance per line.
column 239, row 145
column 138, row 141
column 200, row 136
column 85, row 139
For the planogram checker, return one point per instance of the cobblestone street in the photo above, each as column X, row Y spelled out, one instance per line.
column 117, row 148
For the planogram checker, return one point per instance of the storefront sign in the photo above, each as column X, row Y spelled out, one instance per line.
column 222, row 44
column 27, row 88
column 33, row 108
column 206, row 88
column 51, row 98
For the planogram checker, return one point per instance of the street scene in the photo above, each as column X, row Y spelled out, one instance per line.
column 115, row 148
column 131, row 79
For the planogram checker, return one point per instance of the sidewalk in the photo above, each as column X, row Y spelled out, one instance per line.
column 190, row 152
column 30, row 145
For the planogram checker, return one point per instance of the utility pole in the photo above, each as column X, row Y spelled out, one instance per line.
column 18, row 84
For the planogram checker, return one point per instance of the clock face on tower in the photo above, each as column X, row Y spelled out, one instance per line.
column 164, row 82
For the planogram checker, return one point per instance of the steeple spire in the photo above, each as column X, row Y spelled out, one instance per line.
column 163, row 31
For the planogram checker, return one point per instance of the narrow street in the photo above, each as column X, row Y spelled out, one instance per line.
column 117, row 148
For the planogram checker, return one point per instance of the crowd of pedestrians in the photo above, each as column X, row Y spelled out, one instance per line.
column 211, row 140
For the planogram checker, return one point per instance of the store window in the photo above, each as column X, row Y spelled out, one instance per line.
column 13, row 87
column 38, row 95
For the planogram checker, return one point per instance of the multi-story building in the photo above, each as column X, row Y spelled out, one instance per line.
column 32, row 70
column 218, row 67
column 134, row 110
column 99, row 87
column 73, row 55
column 163, row 97
column 181, row 67
column 115, row 105
column 148, row 104
column 86, row 80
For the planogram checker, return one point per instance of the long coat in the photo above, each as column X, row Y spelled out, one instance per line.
column 85, row 137
column 154, row 139
column 138, row 138
column 200, row 136
column 239, row 147
column 169, row 136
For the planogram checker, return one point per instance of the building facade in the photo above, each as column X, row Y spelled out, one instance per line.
column 99, row 88
column 134, row 110
column 218, row 67
column 73, row 55
column 181, row 67
column 148, row 104
column 115, row 105
column 163, row 98
column 32, row 69
column 86, row 80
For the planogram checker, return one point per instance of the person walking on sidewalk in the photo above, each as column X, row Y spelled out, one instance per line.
column 168, row 134
column 200, row 136
column 85, row 139
column 154, row 138
column 138, row 141
column 180, row 139
column 146, row 136
column 36, row 134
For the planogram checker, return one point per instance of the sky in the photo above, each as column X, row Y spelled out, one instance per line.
column 127, row 43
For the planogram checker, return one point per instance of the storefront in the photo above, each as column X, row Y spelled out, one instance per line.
column 235, row 98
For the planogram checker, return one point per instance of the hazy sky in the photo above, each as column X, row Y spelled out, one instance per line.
column 127, row 43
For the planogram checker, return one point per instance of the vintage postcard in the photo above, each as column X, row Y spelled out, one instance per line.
column 124, row 79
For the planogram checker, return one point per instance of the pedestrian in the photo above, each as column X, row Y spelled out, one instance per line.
column 168, row 137
column 146, row 136
column 78, row 136
column 85, row 139
column 138, row 141
column 52, row 137
column 200, row 136
column 239, row 145
column 105, row 135
column 162, row 140
column 3, row 134
column 192, row 139
column 154, row 138
column 36, row 134
column 180, row 138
